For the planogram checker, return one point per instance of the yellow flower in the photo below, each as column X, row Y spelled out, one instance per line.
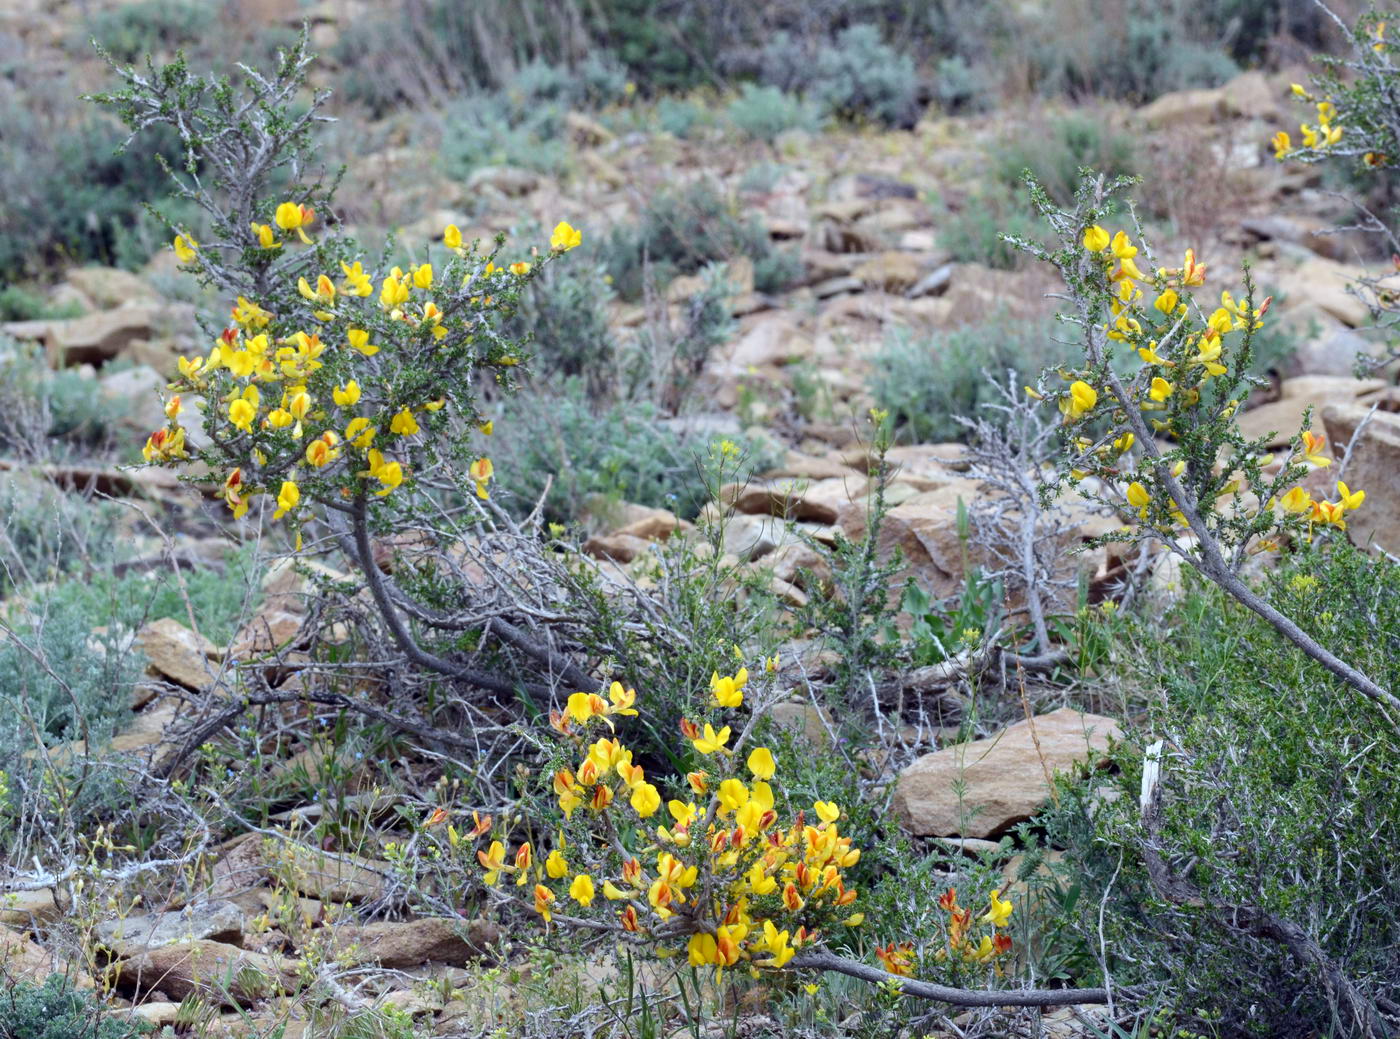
column 1149, row 355
column 1124, row 443
column 360, row 433
column 393, row 293
column 1096, row 239
column 827, row 811
column 1167, row 301
column 645, row 800
column 729, row 692
column 321, row 451
column 404, row 424
column 185, row 248
column 359, row 341
column 1122, row 248
column 1282, row 144
column 452, row 236
column 582, row 890
column 1082, row 398
column 1160, row 389
column 555, row 866
column 1138, row 498
column 711, row 741
column 481, row 472
column 241, row 413
column 564, row 237
column 287, row 499
column 1297, row 501
column 1312, row 449
column 1000, row 910
column 761, row 763
column 347, row 396
column 423, row 276
column 1350, row 499
column 266, row 239
column 520, row 267
column 292, row 217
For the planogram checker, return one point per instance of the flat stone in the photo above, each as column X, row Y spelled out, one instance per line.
column 220, row 921
column 1005, row 778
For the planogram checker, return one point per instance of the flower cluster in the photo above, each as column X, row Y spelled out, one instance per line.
column 716, row 872
column 349, row 384
column 1190, row 379
column 964, row 943
column 1326, row 134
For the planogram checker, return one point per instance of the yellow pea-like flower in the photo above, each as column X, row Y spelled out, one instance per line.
column 452, row 236
column 404, row 424
column 1096, row 239
column 564, row 237
column 582, row 890
column 185, row 248
column 1160, row 389
column 347, row 396
column 761, row 763
column 287, row 498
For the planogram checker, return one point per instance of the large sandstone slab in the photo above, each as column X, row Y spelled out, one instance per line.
column 1005, row 778
column 1374, row 468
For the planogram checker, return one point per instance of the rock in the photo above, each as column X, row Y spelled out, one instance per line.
column 890, row 271
column 925, row 531
column 818, row 501
column 331, row 877
column 1324, row 283
column 267, row 632
column 240, row 871
column 1374, row 467
column 652, row 524
column 1183, row 108
column 109, row 287
column 620, row 548
column 157, row 1015
column 601, row 170
column 773, row 339
column 806, row 720
column 511, row 181
column 1005, row 778
column 935, row 283
column 752, row 537
column 219, row 921
column 1251, row 96
column 839, row 285
column 175, row 652
column 26, row 909
column 587, row 132
column 1284, row 417
column 410, row 943
column 22, row 958
column 216, row 971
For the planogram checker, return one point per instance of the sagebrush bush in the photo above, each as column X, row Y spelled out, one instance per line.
column 489, row 130
column 855, row 76
column 566, row 321
column 57, row 1009
column 681, row 231
column 45, row 532
column 765, row 112
column 926, row 381
column 52, row 414
column 1062, row 147
column 1275, row 784
column 972, row 233
column 131, row 31
column 619, row 452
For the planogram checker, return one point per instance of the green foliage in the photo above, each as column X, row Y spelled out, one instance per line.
column 58, row 1010
column 621, row 452
column 679, row 116
column 972, row 233
column 1274, row 784
column 489, row 130
column 565, row 315
column 862, row 76
column 1065, row 146
column 47, row 413
column 941, row 630
column 67, row 195
column 766, row 112
column 927, row 381
column 681, row 231
column 45, row 533
column 20, row 303
column 131, row 31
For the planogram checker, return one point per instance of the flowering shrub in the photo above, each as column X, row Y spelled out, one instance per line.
column 715, row 871
column 1161, row 444
column 362, row 384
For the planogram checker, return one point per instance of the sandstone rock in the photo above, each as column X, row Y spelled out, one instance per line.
column 925, row 530
column 26, row 909
column 935, row 283
column 175, row 652
column 772, row 340
column 267, row 632
column 1374, row 468
column 619, row 547
column 333, row 877
column 219, row 921
column 806, row 720
column 1182, row 108
column 753, row 537
column 586, row 132
column 1284, row 417
column 837, row 286
column 818, row 501
column 410, row 943
column 652, row 524
column 216, row 971
column 23, row 958
column 1005, row 777
column 1324, row 283
column 157, row 1015
column 110, row 287
column 1252, row 96
column 511, row 181
column 890, row 271
column 240, row 871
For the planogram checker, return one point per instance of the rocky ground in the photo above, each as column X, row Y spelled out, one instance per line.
column 856, row 205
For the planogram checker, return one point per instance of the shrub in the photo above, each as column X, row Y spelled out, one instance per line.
column 973, row 232
column 1274, row 783
column 131, row 31
column 45, row 533
column 861, row 76
column 1065, row 146
column 19, row 303
column 679, row 232
column 925, row 382
column 488, row 130
column 679, row 116
column 566, row 321
column 46, row 413
column 622, row 452
column 58, row 1010
column 766, row 112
